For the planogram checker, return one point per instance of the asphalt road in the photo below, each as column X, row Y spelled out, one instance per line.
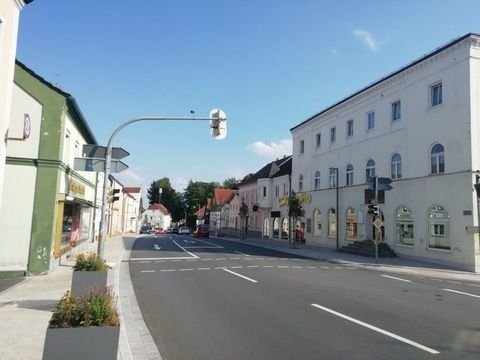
column 217, row 299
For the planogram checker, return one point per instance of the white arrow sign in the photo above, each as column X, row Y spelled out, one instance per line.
column 156, row 247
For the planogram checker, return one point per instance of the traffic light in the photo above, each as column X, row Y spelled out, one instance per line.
column 112, row 198
column 218, row 124
column 373, row 209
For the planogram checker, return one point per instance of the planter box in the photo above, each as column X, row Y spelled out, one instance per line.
column 95, row 342
column 85, row 281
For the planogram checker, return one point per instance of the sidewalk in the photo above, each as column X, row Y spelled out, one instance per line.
column 26, row 307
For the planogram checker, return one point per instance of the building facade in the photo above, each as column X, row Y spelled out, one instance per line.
column 157, row 216
column 50, row 210
column 9, row 19
column 419, row 126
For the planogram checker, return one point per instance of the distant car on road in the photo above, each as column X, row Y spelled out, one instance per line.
column 202, row 231
column 184, row 230
column 168, row 231
column 159, row 231
column 175, row 231
column 145, row 230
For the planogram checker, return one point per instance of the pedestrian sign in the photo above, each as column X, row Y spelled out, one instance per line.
column 378, row 223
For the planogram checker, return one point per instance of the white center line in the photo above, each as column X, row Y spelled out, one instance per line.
column 165, row 270
column 297, row 267
column 454, row 282
column 234, row 258
column 186, row 269
column 220, row 268
column 311, row 267
column 396, row 278
column 204, row 268
column 221, row 259
column 243, row 277
column 268, row 266
column 237, row 267
column 206, row 259
column 374, row 328
column 283, row 267
column 253, row 266
column 462, row 293
column 147, row 271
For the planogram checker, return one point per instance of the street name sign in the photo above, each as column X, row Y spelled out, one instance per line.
column 384, row 183
column 98, row 165
column 100, row 152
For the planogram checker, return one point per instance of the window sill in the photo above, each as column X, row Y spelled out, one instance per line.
column 446, row 251
column 406, row 246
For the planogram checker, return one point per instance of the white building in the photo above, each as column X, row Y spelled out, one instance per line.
column 157, row 216
column 9, row 18
column 419, row 126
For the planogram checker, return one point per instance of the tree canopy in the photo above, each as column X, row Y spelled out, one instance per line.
column 168, row 198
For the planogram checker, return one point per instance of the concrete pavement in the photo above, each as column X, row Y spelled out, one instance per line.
column 26, row 307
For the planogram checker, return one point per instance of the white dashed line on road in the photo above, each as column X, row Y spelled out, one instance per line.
column 186, row 269
column 147, row 271
column 462, row 293
column 374, row 328
column 268, row 266
column 237, row 267
column 204, row 268
column 396, row 278
column 168, row 270
column 243, row 277
column 253, row 266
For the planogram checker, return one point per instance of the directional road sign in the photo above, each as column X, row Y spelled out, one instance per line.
column 100, row 152
column 98, row 165
column 384, row 183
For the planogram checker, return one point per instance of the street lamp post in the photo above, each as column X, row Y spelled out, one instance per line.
column 336, row 205
column 218, row 129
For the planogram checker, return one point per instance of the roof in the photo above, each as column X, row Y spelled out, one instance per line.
column 223, row 195
column 270, row 170
column 285, row 168
column 160, row 207
column 132, row 189
column 200, row 213
column 70, row 100
column 413, row 63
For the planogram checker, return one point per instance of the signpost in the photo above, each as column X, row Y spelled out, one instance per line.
column 95, row 164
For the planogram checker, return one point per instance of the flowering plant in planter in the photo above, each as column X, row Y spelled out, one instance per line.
column 90, row 262
column 79, row 323
column 89, row 272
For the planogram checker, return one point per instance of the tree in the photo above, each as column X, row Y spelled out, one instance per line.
column 231, row 183
column 295, row 209
column 168, row 198
column 197, row 193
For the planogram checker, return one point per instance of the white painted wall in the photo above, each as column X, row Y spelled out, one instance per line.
column 454, row 124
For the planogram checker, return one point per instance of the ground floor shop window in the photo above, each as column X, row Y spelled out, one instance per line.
column 351, row 224
column 438, row 228
column 266, row 228
column 317, row 223
column 285, row 228
column 404, row 225
column 76, row 224
column 276, row 228
column 332, row 223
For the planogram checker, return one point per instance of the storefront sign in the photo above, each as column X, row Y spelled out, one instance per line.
column 283, row 201
column 74, row 187
column 304, row 197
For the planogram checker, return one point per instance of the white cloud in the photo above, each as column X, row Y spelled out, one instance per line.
column 272, row 150
column 179, row 183
column 129, row 178
column 367, row 38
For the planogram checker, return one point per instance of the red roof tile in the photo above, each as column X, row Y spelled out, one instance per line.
column 160, row 207
column 223, row 195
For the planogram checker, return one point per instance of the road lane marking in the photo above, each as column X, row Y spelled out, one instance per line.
column 297, row 267
column 234, row 258
column 253, row 266
column 283, row 267
column 144, row 262
column 212, row 244
column 311, row 267
column 396, row 278
column 204, row 268
column 162, row 258
column 192, row 260
column 206, row 259
column 325, row 267
column 243, row 277
column 473, row 285
column 268, row 266
column 220, row 268
column 188, row 252
column 221, row 259
column 156, row 247
column 237, row 267
column 238, row 252
column 167, row 270
column 186, row 269
column 147, row 271
column 454, row 282
column 462, row 293
column 381, row 331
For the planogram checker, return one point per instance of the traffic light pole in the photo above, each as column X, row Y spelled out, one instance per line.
column 379, row 231
column 108, row 160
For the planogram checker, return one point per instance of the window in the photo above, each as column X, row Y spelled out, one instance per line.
column 333, row 135
column 396, row 166
column 349, row 128
column 332, row 223
column 370, row 120
column 332, row 178
column 300, row 183
column 318, row 140
column 351, row 223
column 302, row 146
column 436, row 97
column 317, row 223
column 285, row 190
column 370, row 170
column 438, row 228
column 277, row 191
column 349, row 178
column 264, row 191
column 404, row 224
column 396, row 111
column 317, row 180
column 437, row 159
column 66, row 148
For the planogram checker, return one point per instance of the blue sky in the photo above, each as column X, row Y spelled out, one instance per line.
column 268, row 64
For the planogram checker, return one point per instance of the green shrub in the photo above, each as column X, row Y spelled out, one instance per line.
column 98, row 308
column 91, row 262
